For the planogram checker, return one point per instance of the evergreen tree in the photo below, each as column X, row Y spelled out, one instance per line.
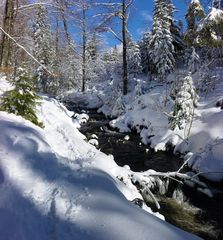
column 21, row 100
column 144, row 49
column 193, row 60
column 113, row 62
column 161, row 48
column 177, row 33
column 184, row 105
column 68, row 67
column 92, row 48
column 210, row 29
column 95, row 64
column 134, row 59
column 194, row 14
column 43, row 50
column 218, row 4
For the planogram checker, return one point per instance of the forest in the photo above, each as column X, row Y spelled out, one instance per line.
column 111, row 113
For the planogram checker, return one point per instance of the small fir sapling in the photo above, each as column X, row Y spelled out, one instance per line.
column 22, row 99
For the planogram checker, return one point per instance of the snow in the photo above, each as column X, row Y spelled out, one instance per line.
column 127, row 138
column 147, row 115
column 195, row 2
column 4, row 85
column 209, row 163
column 145, row 111
column 54, row 185
column 87, row 100
column 93, row 142
column 215, row 14
column 213, row 17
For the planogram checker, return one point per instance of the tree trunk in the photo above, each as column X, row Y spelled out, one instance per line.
column 124, row 44
column 65, row 24
column 8, row 21
column 84, row 48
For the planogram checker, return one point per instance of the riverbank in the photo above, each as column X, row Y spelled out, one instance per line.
column 54, row 184
column 181, row 204
column 144, row 110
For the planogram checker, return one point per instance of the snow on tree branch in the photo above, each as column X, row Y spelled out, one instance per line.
column 23, row 48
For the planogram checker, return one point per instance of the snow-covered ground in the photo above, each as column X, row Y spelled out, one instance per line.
column 55, row 185
column 147, row 113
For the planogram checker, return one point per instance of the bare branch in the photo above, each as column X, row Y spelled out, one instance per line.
column 33, row 5
column 129, row 4
column 108, row 4
column 114, row 34
column 20, row 46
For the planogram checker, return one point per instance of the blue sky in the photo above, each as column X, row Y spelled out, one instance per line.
column 141, row 17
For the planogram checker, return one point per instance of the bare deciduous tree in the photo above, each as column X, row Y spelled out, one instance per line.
column 121, row 11
column 8, row 22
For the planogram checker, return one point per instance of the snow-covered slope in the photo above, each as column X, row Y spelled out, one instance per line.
column 54, row 185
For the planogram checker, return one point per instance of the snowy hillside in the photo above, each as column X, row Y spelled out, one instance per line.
column 54, row 185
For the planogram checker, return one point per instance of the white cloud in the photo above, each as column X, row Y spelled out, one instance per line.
column 146, row 16
column 140, row 31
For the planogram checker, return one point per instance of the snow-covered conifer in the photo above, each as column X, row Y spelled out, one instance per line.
column 70, row 67
column 134, row 59
column 161, row 48
column 194, row 14
column 95, row 64
column 21, row 100
column 177, row 33
column 144, row 49
column 92, row 48
column 43, row 50
column 193, row 60
column 113, row 62
column 210, row 29
column 184, row 105
column 217, row 4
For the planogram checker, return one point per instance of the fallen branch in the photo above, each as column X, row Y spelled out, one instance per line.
column 142, row 179
column 146, row 192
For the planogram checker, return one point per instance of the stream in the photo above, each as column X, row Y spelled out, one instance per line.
column 186, row 208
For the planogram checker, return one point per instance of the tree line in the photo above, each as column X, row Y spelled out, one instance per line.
column 61, row 43
column 65, row 36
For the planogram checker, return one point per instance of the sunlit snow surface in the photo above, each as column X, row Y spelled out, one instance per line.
column 147, row 114
column 54, row 185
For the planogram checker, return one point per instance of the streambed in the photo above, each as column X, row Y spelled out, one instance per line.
column 186, row 208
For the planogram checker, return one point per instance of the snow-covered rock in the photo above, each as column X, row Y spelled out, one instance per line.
column 209, row 163
column 87, row 100
column 93, row 142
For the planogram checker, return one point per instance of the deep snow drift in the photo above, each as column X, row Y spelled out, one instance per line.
column 54, row 185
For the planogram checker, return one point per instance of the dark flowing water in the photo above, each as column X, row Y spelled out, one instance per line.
column 129, row 152
column 198, row 214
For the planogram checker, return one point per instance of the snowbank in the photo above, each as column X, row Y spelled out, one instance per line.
column 86, row 100
column 54, row 185
column 147, row 112
column 209, row 163
column 148, row 115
